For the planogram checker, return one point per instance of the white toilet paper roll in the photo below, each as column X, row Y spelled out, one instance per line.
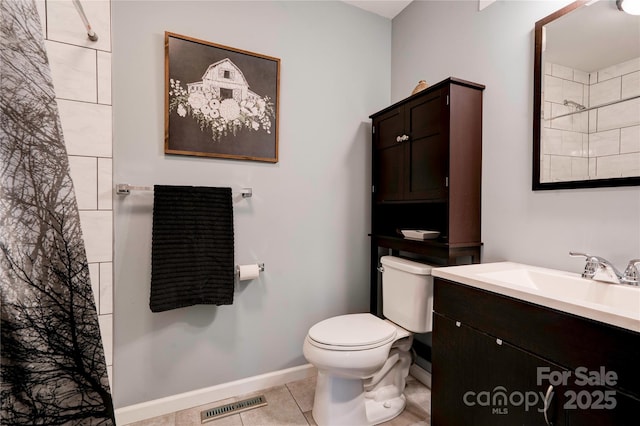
column 249, row 272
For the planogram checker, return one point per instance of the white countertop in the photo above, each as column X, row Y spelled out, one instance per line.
column 614, row 304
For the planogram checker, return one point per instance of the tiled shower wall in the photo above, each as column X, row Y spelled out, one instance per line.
column 596, row 144
column 81, row 72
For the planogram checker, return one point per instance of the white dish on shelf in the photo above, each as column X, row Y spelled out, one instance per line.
column 419, row 234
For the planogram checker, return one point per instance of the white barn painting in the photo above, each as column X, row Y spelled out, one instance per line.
column 226, row 80
column 221, row 101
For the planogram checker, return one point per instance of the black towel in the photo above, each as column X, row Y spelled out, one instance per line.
column 192, row 248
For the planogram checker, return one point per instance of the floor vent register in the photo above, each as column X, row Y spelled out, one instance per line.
column 232, row 408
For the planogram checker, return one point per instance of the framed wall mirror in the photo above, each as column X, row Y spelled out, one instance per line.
column 586, row 124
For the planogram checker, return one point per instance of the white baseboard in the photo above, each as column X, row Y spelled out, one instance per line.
column 183, row 401
column 421, row 375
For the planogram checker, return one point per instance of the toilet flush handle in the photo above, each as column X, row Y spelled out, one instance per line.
column 380, row 268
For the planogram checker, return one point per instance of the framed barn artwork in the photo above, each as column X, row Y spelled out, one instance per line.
column 220, row 101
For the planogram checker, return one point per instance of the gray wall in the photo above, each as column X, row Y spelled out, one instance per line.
column 436, row 39
column 309, row 215
column 308, row 218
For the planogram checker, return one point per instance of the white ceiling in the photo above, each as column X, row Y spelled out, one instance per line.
column 593, row 37
column 588, row 39
column 387, row 8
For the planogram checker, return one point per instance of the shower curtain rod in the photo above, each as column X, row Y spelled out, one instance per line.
column 630, row 98
column 90, row 33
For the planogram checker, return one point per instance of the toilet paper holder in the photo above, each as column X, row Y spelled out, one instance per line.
column 260, row 268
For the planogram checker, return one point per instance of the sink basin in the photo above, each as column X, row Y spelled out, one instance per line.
column 615, row 304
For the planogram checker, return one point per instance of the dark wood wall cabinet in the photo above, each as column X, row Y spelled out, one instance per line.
column 496, row 360
column 426, row 174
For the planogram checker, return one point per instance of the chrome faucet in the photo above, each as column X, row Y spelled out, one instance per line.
column 632, row 273
column 600, row 269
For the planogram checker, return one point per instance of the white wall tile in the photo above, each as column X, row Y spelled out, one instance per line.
column 604, row 143
column 106, row 288
column 106, row 329
column 619, row 69
column 604, row 92
column 560, row 109
column 97, row 230
column 104, row 78
column 105, row 184
column 73, row 70
column 619, row 165
column 593, row 163
column 559, row 168
column 581, row 77
column 547, row 113
column 572, row 144
column 579, row 168
column 593, row 120
column 94, row 275
column 42, row 12
column 618, row 115
column 561, row 71
column 630, row 139
column 553, row 89
column 562, row 123
column 581, row 122
column 552, row 141
column 563, row 142
column 573, row 91
column 545, row 168
column 631, row 85
column 84, row 173
column 110, row 373
column 82, row 77
column 66, row 25
column 86, row 127
column 630, row 164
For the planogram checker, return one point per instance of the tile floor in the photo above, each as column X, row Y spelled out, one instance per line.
column 291, row 404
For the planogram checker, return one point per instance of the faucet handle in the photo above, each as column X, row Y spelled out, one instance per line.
column 578, row 254
column 592, row 265
column 632, row 273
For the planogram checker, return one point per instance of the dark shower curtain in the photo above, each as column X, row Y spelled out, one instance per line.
column 52, row 363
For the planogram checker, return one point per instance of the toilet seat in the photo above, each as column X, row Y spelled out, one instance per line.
column 352, row 332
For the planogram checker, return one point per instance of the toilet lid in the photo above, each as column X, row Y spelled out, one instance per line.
column 352, row 330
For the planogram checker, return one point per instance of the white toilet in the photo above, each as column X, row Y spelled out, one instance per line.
column 362, row 360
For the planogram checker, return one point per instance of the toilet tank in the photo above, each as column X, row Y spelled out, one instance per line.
column 407, row 293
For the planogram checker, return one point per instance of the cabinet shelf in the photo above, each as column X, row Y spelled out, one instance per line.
column 435, row 248
column 429, row 201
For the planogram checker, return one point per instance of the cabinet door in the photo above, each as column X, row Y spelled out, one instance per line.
column 599, row 405
column 388, row 156
column 479, row 381
column 427, row 149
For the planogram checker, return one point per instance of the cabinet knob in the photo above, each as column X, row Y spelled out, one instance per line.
column 399, row 139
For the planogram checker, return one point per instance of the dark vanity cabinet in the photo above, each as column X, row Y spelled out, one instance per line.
column 495, row 358
column 426, row 174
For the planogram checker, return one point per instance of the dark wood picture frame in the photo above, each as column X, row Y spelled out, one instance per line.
column 537, row 185
column 220, row 101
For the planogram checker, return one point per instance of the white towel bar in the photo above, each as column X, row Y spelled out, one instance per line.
column 125, row 189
